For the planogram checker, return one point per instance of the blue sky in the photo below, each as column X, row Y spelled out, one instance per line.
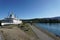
column 26, row 9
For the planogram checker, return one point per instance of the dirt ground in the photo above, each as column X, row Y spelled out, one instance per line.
column 15, row 34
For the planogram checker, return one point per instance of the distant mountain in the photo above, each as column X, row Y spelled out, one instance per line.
column 56, row 18
column 44, row 20
column 50, row 18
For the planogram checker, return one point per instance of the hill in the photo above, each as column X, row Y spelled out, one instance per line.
column 44, row 20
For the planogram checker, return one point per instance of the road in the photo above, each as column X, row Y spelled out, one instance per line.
column 40, row 34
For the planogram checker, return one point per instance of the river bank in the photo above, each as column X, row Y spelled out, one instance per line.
column 25, row 32
column 42, row 32
column 16, row 33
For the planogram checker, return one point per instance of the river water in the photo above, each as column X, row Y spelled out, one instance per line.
column 51, row 27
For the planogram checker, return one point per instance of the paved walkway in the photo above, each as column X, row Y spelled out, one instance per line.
column 40, row 34
column 1, row 37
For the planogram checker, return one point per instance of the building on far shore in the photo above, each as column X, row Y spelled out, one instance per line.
column 11, row 19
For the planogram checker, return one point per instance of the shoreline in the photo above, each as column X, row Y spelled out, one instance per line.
column 46, row 32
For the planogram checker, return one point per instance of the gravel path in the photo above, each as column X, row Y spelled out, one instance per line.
column 40, row 34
